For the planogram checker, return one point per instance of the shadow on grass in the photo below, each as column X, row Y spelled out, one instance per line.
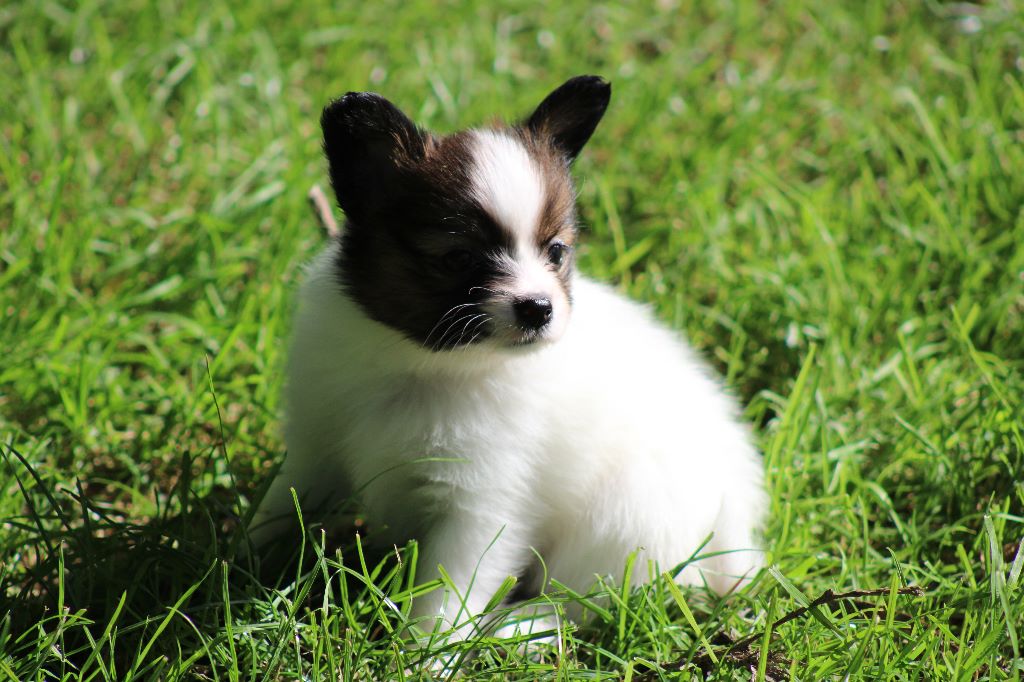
column 85, row 586
column 90, row 592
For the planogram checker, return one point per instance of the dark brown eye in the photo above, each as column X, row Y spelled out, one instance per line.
column 556, row 252
column 458, row 260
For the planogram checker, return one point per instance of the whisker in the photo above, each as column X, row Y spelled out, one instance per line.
column 465, row 327
column 479, row 329
column 451, row 310
column 441, row 340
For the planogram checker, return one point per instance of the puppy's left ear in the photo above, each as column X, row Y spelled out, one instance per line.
column 568, row 116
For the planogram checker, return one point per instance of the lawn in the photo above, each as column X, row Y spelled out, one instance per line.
column 826, row 198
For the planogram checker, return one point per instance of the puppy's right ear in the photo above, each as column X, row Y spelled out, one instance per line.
column 367, row 141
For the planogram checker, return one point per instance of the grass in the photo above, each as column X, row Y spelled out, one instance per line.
column 826, row 197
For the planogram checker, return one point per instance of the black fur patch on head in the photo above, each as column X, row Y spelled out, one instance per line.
column 419, row 262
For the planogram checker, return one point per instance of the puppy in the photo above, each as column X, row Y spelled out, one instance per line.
column 453, row 373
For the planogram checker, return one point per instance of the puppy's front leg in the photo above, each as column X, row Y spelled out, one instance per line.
column 478, row 551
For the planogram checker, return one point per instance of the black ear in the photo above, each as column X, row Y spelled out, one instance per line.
column 569, row 115
column 367, row 141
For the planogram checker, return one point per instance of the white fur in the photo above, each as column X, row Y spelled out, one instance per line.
column 507, row 182
column 510, row 187
column 610, row 440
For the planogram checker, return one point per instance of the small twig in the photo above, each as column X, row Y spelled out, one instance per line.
column 322, row 208
column 739, row 652
column 830, row 597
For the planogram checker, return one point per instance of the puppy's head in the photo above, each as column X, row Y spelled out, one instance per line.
column 467, row 238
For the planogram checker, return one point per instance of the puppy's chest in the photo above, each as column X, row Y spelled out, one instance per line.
column 410, row 418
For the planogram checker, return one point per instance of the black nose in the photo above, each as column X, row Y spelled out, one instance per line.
column 532, row 312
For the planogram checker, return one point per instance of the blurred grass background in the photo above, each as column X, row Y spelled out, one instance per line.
column 825, row 197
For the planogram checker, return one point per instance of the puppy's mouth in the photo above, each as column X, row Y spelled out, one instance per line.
column 527, row 337
column 515, row 338
column 490, row 334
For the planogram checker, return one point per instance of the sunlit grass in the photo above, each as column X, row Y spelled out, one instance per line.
column 827, row 198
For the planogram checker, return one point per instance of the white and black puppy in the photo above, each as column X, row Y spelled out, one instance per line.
column 452, row 372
